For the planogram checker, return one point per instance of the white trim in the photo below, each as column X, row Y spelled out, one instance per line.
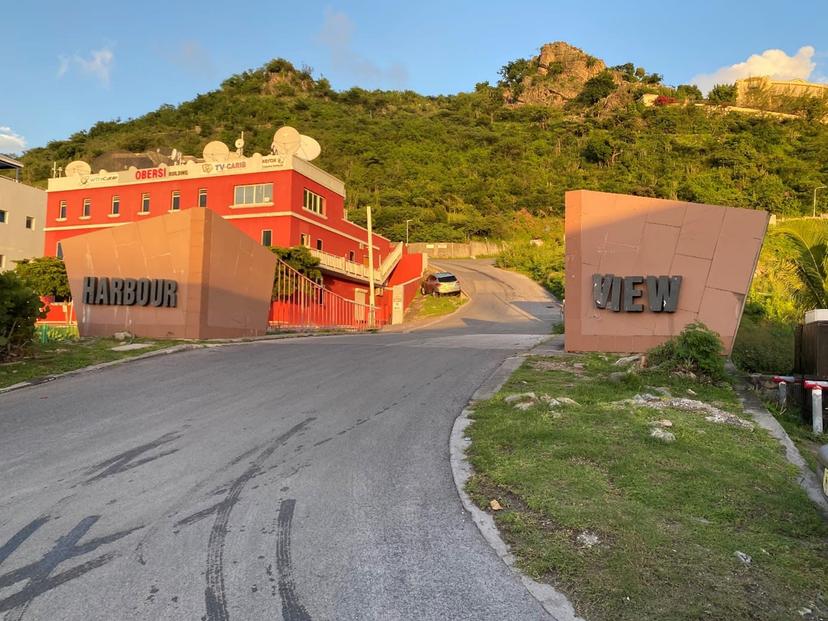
column 84, row 226
column 251, row 205
column 113, row 215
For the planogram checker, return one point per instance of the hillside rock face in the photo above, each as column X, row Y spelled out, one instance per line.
column 562, row 71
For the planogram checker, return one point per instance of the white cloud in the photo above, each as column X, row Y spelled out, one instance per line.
column 98, row 64
column 336, row 34
column 774, row 63
column 11, row 142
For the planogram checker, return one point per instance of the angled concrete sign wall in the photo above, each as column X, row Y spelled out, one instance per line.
column 638, row 270
column 186, row 275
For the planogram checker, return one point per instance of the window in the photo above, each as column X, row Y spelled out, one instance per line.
column 319, row 244
column 175, row 204
column 313, row 202
column 202, row 198
column 29, row 222
column 304, row 239
column 2, row 261
column 351, row 256
column 62, row 211
column 259, row 194
column 116, row 206
column 267, row 237
column 59, row 251
column 2, row 216
column 145, row 203
column 87, row 207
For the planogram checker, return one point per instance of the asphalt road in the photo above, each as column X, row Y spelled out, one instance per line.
column 296, row 479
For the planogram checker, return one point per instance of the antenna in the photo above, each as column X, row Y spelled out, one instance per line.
column 78, row 168
column 240, row 146
column 216, row 151
column 309, row 149
column 286, row 141
column 54, row 170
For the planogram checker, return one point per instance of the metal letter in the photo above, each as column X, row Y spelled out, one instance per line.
column 102, row 294
column 601, row 289
column 142, row 292
column 90, row 286
column 615, row 294
column 631, row 293
column 129, row 291
column 116, row 289
column 663, row 293
column 157, row 292
column 170, row 291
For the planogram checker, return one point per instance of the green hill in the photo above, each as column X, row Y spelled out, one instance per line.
column 464, row 165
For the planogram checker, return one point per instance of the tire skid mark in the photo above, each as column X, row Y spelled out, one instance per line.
column 127, row 460
column 292, row 608
column 214, row 593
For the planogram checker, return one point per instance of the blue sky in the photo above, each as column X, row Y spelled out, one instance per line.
column 69, row 65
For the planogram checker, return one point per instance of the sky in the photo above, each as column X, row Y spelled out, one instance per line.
column 67, row 66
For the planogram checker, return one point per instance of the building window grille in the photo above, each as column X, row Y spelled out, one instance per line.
column 351, row 256
column 116, row 205
column 145, row 202
column 175, row 204
column 304, row 239
column 319, row 244
column 314, row 202
column 2, row 261
column 62, row 210
column 258, row 194
column 202, row 197
column 3, row 216
column 59, row 251
column 29, row 222
column 267, row 237
column 87, row 207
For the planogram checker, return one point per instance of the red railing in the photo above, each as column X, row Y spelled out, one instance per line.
column 299, row 302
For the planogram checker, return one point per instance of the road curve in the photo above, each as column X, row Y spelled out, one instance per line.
column 297, row 479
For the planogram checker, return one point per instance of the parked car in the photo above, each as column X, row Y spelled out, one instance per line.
column 441, row 283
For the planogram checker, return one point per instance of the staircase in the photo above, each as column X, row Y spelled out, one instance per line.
column 358, row 271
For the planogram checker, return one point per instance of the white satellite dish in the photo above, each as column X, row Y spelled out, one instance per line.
column 78, row 168
column 286, row 141
column 216, row 151
column 309, row 149
column 239, row 143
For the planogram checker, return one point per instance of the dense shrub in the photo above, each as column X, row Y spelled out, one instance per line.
column 19, row 309
column 764, row 346
column 45, row 276
column 696, row 350
column 543, row 263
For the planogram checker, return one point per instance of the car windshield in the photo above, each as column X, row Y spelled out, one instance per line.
column 447, row 278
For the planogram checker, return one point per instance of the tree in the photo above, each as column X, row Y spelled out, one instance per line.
column 513, row 74
column 809, row 242
column 722, row 94
column 19, row 310
column 46, row 276
column 689, row 91
column 595, row 89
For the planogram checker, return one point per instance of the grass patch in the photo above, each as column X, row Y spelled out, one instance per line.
column 669, row 517
column 67, row 355
column 434, row 305
column 764, row 346
column 801, row 434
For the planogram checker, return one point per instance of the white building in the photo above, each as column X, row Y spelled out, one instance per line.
column 22, row 217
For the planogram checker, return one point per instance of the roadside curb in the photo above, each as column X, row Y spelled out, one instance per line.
column 160, row 352
column 436, row 320
column 552, row 600
column 751, row 404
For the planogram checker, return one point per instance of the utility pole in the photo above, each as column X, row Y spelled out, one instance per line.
column 821, row 187
column 406, row 231
column 371, row 299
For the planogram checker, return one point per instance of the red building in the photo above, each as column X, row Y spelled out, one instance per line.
column 278, row 200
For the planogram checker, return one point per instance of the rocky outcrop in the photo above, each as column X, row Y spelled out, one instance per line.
column 562, row 71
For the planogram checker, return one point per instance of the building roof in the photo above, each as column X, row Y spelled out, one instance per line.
column 8, row 163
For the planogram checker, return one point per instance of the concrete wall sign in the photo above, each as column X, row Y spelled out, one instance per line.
column 660, row 264
column 609, row 291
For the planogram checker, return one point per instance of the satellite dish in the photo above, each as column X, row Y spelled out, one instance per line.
column 286, row 141
column 78, row 168
column 309, row 149
column 239, row 143
column 216, row 151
